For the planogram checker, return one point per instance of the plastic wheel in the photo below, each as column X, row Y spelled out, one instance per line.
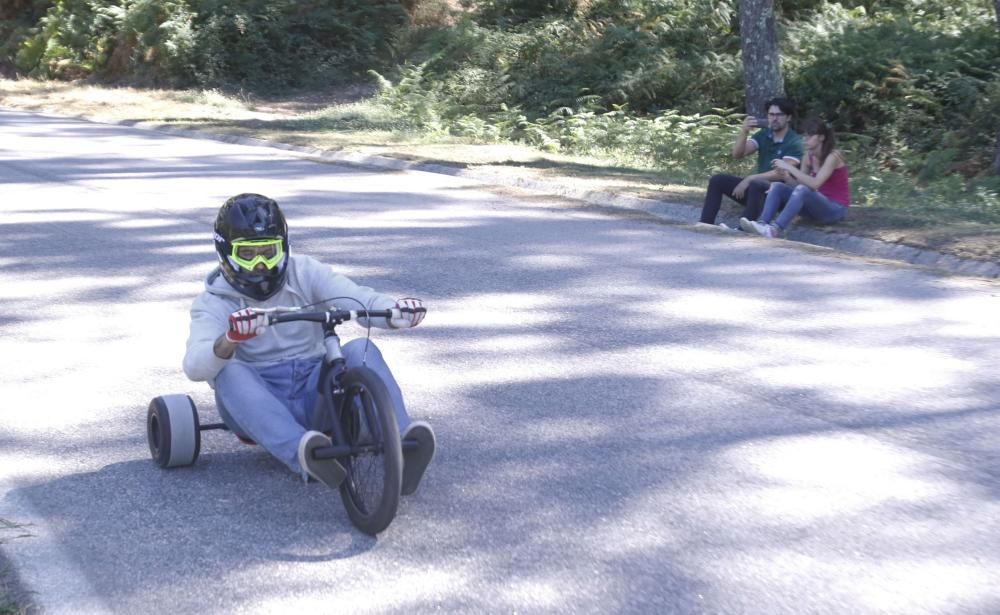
column 173, row 431
column 374, row 469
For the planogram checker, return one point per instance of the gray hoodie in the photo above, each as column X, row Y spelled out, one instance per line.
column 308, row 281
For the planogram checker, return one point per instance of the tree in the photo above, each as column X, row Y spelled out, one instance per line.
column 761, row 64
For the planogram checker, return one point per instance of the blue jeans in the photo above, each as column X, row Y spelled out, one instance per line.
column 802, row 199
column 274, row 404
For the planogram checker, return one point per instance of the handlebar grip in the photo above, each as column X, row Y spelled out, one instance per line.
column 292, row 316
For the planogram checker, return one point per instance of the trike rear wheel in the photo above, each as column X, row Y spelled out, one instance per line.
column 374, row 469
column 173, row 431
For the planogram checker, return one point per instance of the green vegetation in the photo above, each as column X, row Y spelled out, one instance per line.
column 913, row 88
column 13, row 600
column 645, row 86
column 8, row 604
column 253, row 44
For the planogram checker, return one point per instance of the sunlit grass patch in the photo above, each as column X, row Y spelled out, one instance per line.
column 124, row 103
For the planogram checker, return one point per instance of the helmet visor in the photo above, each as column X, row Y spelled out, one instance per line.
column 248, row 253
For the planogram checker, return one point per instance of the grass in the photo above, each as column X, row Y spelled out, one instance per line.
column 945, row 216
column 11, row 602
column 13, row 599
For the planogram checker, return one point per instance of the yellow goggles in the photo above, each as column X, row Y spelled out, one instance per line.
column 248, row 253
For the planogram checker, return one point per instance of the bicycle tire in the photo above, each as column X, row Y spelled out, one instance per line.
column 371, row 490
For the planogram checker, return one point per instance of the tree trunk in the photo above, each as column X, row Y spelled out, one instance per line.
column 761, row 64
column 996, row 156
column 996, row 150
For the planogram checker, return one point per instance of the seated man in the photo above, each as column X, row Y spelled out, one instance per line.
column 265, row 381
column 775, row 141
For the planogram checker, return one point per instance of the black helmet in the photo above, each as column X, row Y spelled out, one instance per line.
column 250, row 230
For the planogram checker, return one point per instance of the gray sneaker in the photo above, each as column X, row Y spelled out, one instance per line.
column 327, row 471
column 417, row 458
column 746, row 225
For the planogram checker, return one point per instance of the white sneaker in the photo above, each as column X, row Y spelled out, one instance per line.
column 417, row 456
column 770, row 231
column 327, row 471
column 747, row 225
column 726, row 227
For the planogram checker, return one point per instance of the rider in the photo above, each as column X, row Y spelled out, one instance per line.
column 265, row 381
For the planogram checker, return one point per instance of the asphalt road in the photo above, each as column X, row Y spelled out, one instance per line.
column 632, row 417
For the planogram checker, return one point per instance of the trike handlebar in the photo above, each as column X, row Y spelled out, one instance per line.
column 332, row 315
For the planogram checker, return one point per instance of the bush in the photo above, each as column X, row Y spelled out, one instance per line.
column 924, row 91
column 646, row 55
column 509, row 12
column 255, row 44
column 155, row 40
column 275, row 44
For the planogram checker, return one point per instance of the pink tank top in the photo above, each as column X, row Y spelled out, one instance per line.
column 837, row 188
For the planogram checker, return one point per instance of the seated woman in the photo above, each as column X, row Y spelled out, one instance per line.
column 820, row 190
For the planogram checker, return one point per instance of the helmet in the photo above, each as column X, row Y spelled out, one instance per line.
column 250, row 231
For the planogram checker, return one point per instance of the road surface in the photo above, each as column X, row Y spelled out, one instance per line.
column 632, row 417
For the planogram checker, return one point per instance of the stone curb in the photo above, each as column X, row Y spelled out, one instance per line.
column 675, row 212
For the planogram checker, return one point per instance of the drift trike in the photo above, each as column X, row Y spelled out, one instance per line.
column 365, row 436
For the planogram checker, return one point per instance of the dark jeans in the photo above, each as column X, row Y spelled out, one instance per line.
column 722, row 184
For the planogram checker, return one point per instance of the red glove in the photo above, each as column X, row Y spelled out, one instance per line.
column 405, row 320
column 245, row 324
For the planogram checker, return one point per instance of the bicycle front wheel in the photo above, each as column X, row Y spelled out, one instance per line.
column 375, row 466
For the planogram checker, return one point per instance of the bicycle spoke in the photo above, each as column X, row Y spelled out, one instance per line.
column 367, row 472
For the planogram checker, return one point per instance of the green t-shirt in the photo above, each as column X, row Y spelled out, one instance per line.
column 768, row 150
